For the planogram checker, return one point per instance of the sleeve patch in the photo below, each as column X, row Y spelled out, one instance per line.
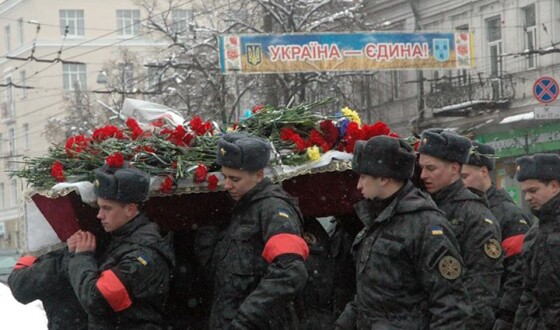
column 285, row 244
column 437, row 230
column 449, row 267
column 143, row 259
column 493, row 248
column 25, row 262
column 114, row 291
column 283, row 213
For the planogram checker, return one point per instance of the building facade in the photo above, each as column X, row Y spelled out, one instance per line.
column 48, row 49
column 517, row 42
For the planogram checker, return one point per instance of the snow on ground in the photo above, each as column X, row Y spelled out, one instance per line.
column 14, row 315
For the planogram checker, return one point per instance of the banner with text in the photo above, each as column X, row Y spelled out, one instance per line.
column 268, row 53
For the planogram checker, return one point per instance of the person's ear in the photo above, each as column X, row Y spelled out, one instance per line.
column 131, row 209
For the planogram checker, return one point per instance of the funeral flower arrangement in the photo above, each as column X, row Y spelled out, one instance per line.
column 175, row 151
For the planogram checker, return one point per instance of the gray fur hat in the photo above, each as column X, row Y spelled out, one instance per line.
column 445, row 145
column 384, row 156
column 242, row 151
column 538, row 167
column 125, row 185
column 482, row 155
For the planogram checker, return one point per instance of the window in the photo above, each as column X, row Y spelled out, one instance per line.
column 26, row 136
column 73, row 20
column 13, row 193
column 530, row 26
column 153, row 77
column 11, row 141
column 126, row 75
column 23, row 83
column 7, row 38
column 128, row 22
column 180, row 21
column 73, row 74
column 2, row 193
column 9, row 98
column 395, row 82
column 20, row 31
column 494, row 39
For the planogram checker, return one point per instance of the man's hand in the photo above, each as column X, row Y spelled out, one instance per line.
column 85, row 242
column 73, row 240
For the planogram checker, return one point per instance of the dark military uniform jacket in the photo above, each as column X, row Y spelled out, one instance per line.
column 46, row 279
column 514, row 224
column 129, row 288
column 539, row 306
column 409, row 269
column 330, row 285
column 258, row 263
column 479, row 236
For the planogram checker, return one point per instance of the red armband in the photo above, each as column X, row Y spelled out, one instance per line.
column 114, row 291
column 513, row 245
column 25, row 262
column 285, row 244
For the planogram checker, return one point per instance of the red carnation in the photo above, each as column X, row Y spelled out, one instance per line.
column 76, row 144
column 109, row 131
column 353, row 134
column 213, row 182
column 166, row 185
column 200, row 174
column 158, row 122
column 135, row 129
column 115, row 160
column 288, row 134
column 257, row 108
column 330, row 132
column 379, row 128
column 198, row 127
column 179, row 136
column 57, row 171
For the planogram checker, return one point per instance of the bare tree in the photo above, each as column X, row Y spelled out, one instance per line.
column 189, row 76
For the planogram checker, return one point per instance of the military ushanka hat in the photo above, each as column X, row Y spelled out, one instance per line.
column 242, row 151
column 482, row 155
column 446, row 145
column 538, row 167
column 384, row 156
column 123, row 184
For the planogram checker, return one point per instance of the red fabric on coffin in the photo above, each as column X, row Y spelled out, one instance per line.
column 319, row 194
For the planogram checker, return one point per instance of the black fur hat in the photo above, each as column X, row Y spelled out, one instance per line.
column 242, row 151
column 482, row 155
column 124, row 184
column 384, row 156
column 445, row 145
column 538, row 167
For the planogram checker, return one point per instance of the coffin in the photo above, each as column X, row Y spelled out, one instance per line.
column 328, row 190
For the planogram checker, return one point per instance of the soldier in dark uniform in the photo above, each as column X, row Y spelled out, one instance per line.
column 331, row 283
column 513, row 223
column 539, row 306
column 128, row 288
column 258, row 261
column 46, row 278
column 442, row 155
column 408, row 266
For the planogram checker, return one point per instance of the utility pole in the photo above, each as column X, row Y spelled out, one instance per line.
column 419, row 73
